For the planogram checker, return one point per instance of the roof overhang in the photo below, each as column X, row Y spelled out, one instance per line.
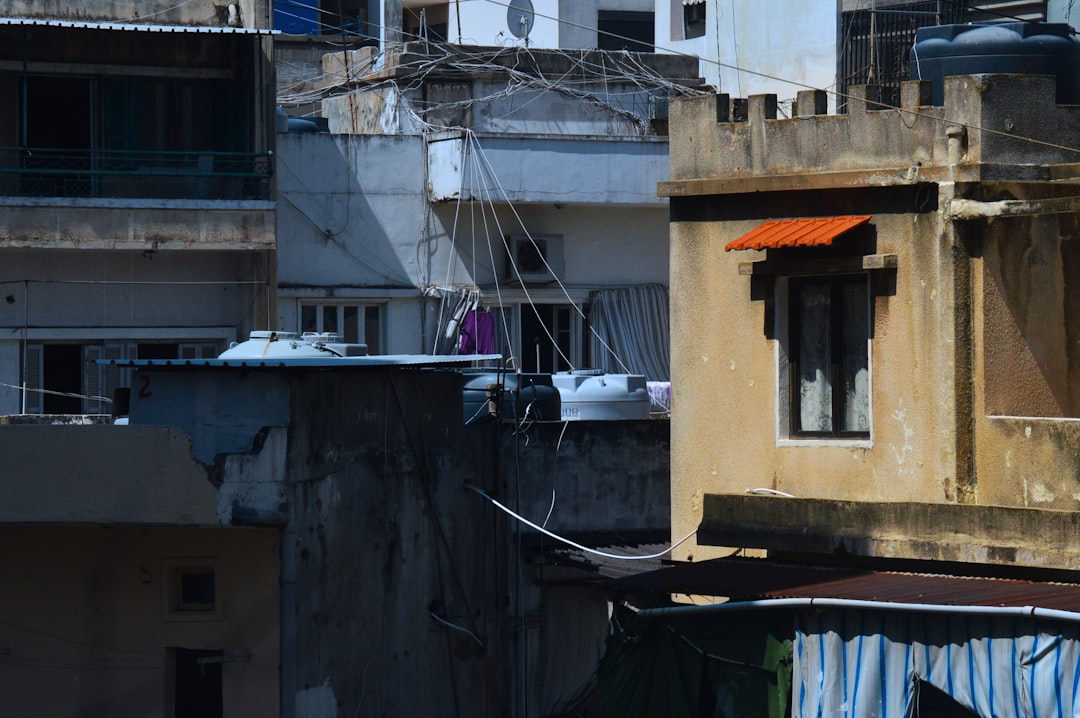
column 373, row 360
column 785, row 233
column 761, row 582
column 132, row 27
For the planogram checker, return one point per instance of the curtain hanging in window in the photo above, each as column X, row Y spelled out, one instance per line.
column 633, row 322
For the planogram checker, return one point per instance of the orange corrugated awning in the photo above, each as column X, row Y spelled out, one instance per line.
column 817, row 232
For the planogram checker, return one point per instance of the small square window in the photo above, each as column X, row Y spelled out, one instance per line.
column 191, row 589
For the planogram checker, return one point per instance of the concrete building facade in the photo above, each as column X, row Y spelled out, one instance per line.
column 136, row 182
column 440, row 169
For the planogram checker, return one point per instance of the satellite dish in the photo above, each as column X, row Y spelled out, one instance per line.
column 519, row 17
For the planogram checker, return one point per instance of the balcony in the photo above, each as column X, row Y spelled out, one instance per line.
column 134, row 174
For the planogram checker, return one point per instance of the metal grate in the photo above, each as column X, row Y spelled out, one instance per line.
column 875, row 43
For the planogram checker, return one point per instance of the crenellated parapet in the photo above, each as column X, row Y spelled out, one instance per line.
column 990, row 128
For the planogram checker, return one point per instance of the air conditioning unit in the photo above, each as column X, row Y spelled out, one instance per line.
column 538, row 258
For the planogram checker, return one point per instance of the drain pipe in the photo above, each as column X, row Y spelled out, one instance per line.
column 247, row 516
column 1020, row 611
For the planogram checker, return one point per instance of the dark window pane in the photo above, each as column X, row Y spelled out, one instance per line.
column 197, row 589
column 309, row 321
column 351, row 322
column 373, row 329
column 815, row 358
column 329, row 319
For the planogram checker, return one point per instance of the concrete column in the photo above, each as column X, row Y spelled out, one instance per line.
column 389, row 21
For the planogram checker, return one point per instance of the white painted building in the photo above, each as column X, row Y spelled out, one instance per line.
column 450, row 183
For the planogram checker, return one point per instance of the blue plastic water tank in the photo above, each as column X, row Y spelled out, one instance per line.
column 524, row 397
column 1023, row 48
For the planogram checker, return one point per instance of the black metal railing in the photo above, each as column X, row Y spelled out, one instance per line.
column 138, row 174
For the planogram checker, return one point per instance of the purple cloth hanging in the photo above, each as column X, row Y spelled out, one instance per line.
column 478, row 333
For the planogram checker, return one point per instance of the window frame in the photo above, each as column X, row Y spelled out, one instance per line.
column 788, row 396
column 174, row 608
column 321, row 305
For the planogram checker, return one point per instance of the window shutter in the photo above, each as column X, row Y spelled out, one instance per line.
column 34, row 378
column 93, row 379
column 99, row 380
column 198, row 350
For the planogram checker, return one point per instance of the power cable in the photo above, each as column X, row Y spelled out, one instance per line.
column 806, row 86
column 513, row 514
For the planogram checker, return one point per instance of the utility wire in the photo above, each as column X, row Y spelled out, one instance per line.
column 568, row 542
column 806, row 86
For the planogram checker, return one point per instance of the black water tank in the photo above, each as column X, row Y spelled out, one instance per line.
column 1024, row 48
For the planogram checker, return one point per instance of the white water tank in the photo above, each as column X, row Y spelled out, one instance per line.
column 593, row 395
column 290, row 345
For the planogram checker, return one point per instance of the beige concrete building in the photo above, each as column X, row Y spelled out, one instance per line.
column 896, row 367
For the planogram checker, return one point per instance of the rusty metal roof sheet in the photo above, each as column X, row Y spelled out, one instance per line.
column 816, row 232
column 759, row 579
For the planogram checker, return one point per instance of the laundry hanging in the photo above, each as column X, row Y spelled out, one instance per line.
column 478, row 332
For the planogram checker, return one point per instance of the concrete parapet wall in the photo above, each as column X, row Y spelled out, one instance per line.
column 985, row 118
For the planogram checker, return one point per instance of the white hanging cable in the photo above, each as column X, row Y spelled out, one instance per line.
column 474, row 167
column 578, row 546
column 510, row 254
column 521, row 223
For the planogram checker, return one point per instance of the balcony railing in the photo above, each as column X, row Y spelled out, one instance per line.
column 134, row 174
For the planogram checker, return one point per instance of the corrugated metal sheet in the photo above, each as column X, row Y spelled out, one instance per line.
column 756, row 579
column 817, row 232
column 131, row 27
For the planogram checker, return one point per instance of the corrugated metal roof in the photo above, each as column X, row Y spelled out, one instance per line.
column 129, row 27
column 758, row 579
column 816, row 232
column 418, row 360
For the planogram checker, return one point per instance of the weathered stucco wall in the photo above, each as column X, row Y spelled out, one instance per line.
column 979, row 327
column 386, row 536
column 116, row 224
column 593, row 476
column 84, row 628
column 103, row 475
column 1029, row 462
column 1030, row 354
column 726, row 385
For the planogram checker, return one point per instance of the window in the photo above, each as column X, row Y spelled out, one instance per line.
column 355, row 323
column 542, row 323
column 693, row 13
column 65, row 378
column 191, row 589
column 827, row 357
column 625, row 30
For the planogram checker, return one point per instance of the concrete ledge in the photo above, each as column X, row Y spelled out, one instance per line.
column 940, row 532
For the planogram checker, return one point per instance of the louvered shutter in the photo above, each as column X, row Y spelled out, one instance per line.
column 33, row 378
